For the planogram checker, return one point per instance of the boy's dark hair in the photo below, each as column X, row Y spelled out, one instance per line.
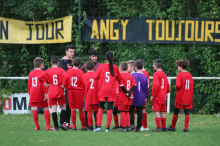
column 109, row 56
column 90, row 65
column 93, row 52
column 158, row 63
column 124, row 65
column 76, row 61
column 139, row 64
column 54, row 59
column 183, row 63
column 131, row 62
column 38, row 61
column 69, row 47
column 142, row 60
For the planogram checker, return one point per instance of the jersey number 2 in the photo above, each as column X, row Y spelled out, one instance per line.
column 91, row 85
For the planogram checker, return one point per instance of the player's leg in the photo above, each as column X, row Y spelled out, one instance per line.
column 174, row 120
column 73, row 118
column 47, row 118
column 99, row 117
column 54, row 117
column 157, row 120
column 139, row 118
column 35, row 117
column 82, row 119
column 144, row 120
column 95, row 114
column 90, row 120
column 131, row 112
column 68, row 110
column 109, row 115
column 78, row 95
column 122, row 109
column 163, row 121
column 63, row 115
column 187, row 117
column 115, row 114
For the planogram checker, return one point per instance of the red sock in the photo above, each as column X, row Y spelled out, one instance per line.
column 158, row 122
column 73, row 118
column 127, row 119
column 99, row 118
column 116, row 120
column 96, row 117
column 144, row 120
column 174, row 119
column 163, row 121
column 109, row 118
column 35, row 117
column 47, row 117
column 123, row 119
column 186, row 122
column 82, row 118
column 89, row 117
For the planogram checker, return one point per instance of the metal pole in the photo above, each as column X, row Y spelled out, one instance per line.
column 79, row 21
column 168, row 98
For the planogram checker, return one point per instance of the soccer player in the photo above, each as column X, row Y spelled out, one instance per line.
column 184, row 94
column 54, row 77
column 115, row 109
column 75, row 93
column 125, row 101
column 66, row 63
column 90, row 87
column 140, row 94
column 144, row 121
column 160, row 89
column 108, row 75
column 131, row 64
column 38, row 94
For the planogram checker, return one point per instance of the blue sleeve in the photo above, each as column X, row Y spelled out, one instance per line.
column 63, row 64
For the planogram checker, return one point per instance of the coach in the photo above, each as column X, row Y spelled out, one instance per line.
column 66, row 63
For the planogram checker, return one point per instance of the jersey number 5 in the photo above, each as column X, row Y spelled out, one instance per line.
column 107, row 76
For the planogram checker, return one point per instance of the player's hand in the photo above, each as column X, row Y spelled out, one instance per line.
column 46, row 85
column 45, row 97
column 151, row 98
column 62, row 86
column 132, row 96
column 127, row 94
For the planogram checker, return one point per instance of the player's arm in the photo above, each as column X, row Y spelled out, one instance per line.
column 156, row 85
column 97, row 73
column 63, row 64
column 146, row 89
column 168, row 86
column 178, row 82
column 29, row 83
column 83, row 68
column 43, row 79
column 65, row 79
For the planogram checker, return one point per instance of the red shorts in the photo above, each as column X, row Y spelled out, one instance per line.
column 181, row 106
column 75, row 98
column 54, row 101
column 109, row 99
column 122, row 107
column 116, row 103
column 42, row 104
column 92, row 107
column 159, row 107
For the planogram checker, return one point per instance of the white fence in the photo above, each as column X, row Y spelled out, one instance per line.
column 169, row 79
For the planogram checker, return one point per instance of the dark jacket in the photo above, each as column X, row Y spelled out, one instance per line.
column 96, row 65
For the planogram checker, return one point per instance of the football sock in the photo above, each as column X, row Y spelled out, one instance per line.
column 139, row 118
column 89, row 117
column 100, row 114
column 174, row 119
column 73, row 118
column 144, row 120
column 96, row 117
column 127, row 119
column 86, row 117
column 47, row 117
column 116, row 120
column 68, row 113
column 54, row 116
column 109, row 118
column 35, row 117
column 82, row 118
column 163, row 121
column 123, row 119
column 158, row 122
column 63, row 116
column 186, row 122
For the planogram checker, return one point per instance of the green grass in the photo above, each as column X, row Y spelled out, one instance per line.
column 19, row 130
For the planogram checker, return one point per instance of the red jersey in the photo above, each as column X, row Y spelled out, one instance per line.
column 74, row 79
column 129, row 82
column 36, row 89
column 108, row 83
column 90, row 87
column 184, row 87
column 160, row 87
column 54, row 76
column 148, row 77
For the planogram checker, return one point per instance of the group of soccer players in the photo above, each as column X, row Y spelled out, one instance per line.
column 126, row 88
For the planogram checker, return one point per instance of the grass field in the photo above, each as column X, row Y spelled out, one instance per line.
column 19, row 130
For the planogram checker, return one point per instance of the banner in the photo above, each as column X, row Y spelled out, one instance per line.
column 145, row 30
column 19, row 104
column 39, row 32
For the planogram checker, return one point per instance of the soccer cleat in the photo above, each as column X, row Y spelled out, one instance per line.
column 125, row 130
column 164, row 129
column 74, row 129
column 133, row 127
column 116, row 127
column 63, row 127
column 185, row 130
column 129, row 129
column 49, row 128
column 98, row 129
column 157, row 130
column 83, row 129
column 107, row 130
column 69, row 126
column 37, row 128
column 56, row 129
column 171, row 129
column 90, row 128
column 137, row 130
column 144, row 129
